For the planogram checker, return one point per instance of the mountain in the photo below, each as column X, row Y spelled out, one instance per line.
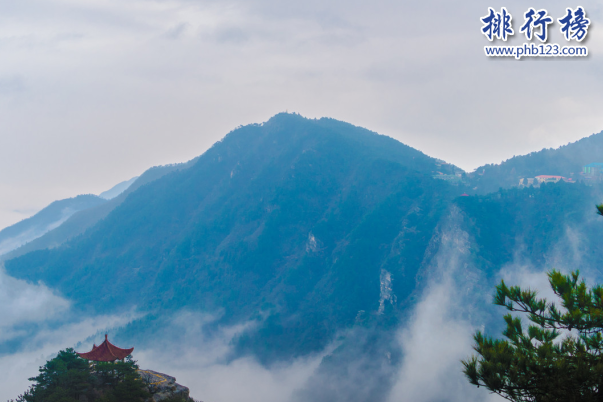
column 566, row 161
column 80, row 221
column 308, row 233
column 298, row 219
column 117, row 189
column 44, row 221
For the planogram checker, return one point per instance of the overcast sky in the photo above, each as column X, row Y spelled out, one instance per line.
column 94, row 92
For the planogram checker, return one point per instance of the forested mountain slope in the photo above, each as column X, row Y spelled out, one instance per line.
column 566, row 161
column 297, row 219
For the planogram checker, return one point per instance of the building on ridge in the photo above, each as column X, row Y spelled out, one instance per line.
column 592, row 172
column 592, row 169
column 536, row 181
column 552, row 179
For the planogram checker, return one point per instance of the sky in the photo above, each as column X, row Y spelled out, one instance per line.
column 93, row 93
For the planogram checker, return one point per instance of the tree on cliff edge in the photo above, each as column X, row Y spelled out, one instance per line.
column 558, row 358
column 69, row 378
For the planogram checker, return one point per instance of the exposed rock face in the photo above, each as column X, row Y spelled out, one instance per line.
column 163, row 387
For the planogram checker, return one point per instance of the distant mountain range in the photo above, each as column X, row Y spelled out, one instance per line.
column 52, row 217
column 310, row 228
column 117, row 189
column 78, row 221
column 44, row 221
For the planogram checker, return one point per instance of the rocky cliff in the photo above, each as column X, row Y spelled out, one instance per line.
column 164, row 387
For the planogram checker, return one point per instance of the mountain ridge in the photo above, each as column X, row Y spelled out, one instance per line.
column 49, row 218
column 255, row 211
column 86, row 218
column 566, row 161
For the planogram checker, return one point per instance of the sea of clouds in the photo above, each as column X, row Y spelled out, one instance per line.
column 420, row 361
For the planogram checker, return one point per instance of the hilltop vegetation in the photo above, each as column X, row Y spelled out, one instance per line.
column 566, row 161
column 69, row 378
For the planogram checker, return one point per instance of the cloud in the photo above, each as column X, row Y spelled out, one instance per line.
column 32, row 233
column 434, row 344
column 357, row 366
column 361, row 368
column 21, row 364
column 23, row 303
column 177, row 31
column 11, row 85
column 420, row 361
column 439, row 333
column 527, row 276
column 35, row 323
column 201, row 362
column 118, row 86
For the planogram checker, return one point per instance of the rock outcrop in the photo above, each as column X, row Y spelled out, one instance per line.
column 164, row 387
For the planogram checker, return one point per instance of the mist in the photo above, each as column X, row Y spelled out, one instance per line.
column 43, row 341
column 203, row 363
column 440, row 329
column 419, row 361
column 35, row 323
column 33, row 233
column 22, row 303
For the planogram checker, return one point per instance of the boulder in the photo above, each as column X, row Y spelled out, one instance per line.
column 163, row 387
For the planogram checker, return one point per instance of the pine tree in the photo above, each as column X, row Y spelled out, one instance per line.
column 559, row 356
column 69, row 378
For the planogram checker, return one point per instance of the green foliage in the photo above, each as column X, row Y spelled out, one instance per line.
column 121, row 379
column 558, row 357
column 63, row 379
column 69, row 378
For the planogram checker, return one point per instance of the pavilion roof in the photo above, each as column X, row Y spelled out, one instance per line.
column 106, row 352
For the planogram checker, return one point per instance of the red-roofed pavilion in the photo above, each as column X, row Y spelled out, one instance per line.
column 106, row 352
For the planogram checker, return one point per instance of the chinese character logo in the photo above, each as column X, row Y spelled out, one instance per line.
column 575, row 24
column 497, row 25
column 534, row 19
